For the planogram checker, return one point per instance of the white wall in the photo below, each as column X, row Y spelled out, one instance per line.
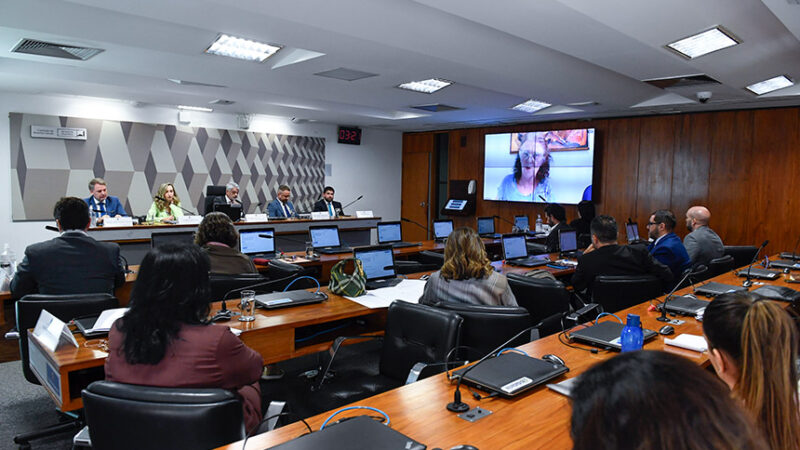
column 372, row 169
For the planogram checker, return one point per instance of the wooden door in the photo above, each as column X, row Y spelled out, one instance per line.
column 416, row 198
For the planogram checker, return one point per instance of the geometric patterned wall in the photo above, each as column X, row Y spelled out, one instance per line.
column 135, row 158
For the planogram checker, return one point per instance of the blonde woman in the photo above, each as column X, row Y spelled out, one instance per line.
column 165, row 205
column 467, row 276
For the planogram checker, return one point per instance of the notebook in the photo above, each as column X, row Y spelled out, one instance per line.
column 392, row 233
column 785, row 264
column 515, row 252
column 325, row 239
column 257, row 243
column 511, row 373
column 290, row 298
column 762, row 274
column 712, row 289
column 632, row 231
column 521, row 222
column 568, row 243
column 442, row 229
column 486, row 228
column 606, row 335
column 358, row 433
column 687, row 305
column 378, row 264
column 781, row 293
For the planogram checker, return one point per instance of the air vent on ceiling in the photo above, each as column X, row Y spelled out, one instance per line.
column 221, row 101
column 436, row 107
column 346, row 74
column 41, row 48
column 194, row 83
column 682, row 81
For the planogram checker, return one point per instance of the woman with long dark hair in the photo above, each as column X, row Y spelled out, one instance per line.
column 753, row 344
column 163, row 339
column 467, row 276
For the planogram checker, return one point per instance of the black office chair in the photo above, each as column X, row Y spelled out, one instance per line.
column 718, row 266
column 406, row 267
column 435, row 259
column 486, row 327
column 66, row 308
column 125, row 416
column 699, row 273
column 617, row 292
column 222, row 284
column 211, row 192
column 584, row 240
column 287, row 272
column 414, row 334
column 742, row 254
column 546, row 300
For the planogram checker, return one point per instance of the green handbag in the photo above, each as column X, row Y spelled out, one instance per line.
column 350, row 285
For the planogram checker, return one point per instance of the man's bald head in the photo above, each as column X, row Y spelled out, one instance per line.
column 697, row 216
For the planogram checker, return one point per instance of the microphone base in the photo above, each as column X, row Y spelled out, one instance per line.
column 664, row 319
column 457, row 407
column 747, row 283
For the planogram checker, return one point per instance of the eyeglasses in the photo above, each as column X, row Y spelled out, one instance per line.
column 651, row 223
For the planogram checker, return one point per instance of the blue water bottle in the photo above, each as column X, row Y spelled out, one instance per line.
column 632, row 336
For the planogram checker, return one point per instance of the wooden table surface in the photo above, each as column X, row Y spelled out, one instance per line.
column 537, row 419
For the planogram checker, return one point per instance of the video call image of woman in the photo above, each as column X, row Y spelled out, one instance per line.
column 530, row 179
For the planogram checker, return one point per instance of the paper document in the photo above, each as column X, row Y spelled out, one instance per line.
column 407, row 290
column 106, row 319
column 689, row 342
column 52, row 332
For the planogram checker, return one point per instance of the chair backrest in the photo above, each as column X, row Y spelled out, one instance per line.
column 429, row 257
column 406, row 267
column 485, row 327
column 700, row 273
column 211, row 192
column 124, row 416
column 64, row 307
column 417, row 333
column 742, row 254
column 546, row 300
column 616, row 292
column 224, row 283
column 281, row 269
column 718, row 266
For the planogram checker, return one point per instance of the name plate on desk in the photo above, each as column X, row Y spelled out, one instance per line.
column 320, row 215
column 190, row 220
column 52, row 332
column 111, row 222
column 256, row 218
column 364, row 214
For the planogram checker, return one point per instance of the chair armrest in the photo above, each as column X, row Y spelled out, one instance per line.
column 12, row 334
column 337, row 343
column 416, row 371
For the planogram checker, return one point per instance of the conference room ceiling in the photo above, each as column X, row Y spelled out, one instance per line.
column 588, row 58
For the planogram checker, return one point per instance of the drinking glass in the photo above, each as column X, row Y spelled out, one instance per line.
column 248, row 306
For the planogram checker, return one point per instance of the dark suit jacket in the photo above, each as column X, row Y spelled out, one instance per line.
column 552, row 242
column 617, row 260
column 201, row 356
column 671, row 252
column 72, row 263
column 113, row 206
column 321, row 205
column 229, row 261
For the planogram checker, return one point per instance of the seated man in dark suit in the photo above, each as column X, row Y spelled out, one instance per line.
column 606, row 257
column 282, row 206
column 327, row 204
column 72, row 263
column 102, row 205
column 667, row 246
column 556, row 217
column 231, row 196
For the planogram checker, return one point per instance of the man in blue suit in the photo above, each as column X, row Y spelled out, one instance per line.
column 667, row 247
column 102, row 205
column 281, row 206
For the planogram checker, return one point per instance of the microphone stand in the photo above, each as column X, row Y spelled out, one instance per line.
column 747, row 281
column 349, row 204
column 513, row 225
column 664, row 318
column 191, row 213
column 427, row 231
column 793, row 255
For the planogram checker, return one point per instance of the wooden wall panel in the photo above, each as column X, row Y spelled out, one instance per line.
column 417, row 155
column 743, row 165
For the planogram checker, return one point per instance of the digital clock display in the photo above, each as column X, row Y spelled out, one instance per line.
column 350, row 135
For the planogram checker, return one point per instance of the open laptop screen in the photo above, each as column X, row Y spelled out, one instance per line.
column 567, row 240
column 251, row 241
column 632, row 230
column 442, row 228
column 324, row 236
column 521, row 222
column 514, row 247
column 389, row 232
column 159, row 239
column 485, row 225
column 375, row 261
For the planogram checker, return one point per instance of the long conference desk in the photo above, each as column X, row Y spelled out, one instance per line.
column 539, row 418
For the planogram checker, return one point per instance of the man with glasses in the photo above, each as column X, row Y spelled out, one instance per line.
column 667, row 247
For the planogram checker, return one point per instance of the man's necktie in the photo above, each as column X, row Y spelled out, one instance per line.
column 330, row 209
column 286, row 210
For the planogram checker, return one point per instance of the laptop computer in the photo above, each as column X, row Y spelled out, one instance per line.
column 290, row 298
column 358, row 433
column 442, row 229
column 762, row 274
column 685, row 305
column 232, row 211
column 515, row 252
column 780, row 293
column 790, row 255
column 511, row 373
column 568, row 243
column 392, row 233
column 632, row 233
column 521, row 222
column 325, row 239
column 378, row 264
column 606, row 335
column 712, row 289
column 183, row 237
column 486, row 228
column 257, row 243
column 785, row 264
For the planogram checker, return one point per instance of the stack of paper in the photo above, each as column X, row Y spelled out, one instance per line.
column 689, row 342
column 407, row 290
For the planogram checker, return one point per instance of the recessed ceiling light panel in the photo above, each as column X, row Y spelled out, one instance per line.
column 241, row 48
column 194, row 108
column 531, row 106
column 426, row 86
column 773, row 84
column 703, row 43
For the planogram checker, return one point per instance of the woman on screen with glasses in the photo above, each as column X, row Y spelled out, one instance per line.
column 531, row 177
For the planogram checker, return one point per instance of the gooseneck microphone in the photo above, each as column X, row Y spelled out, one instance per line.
column 158, row 197
column 256, row 207
column 747, row 281
column 349, row 204
column 513, row 225
column 687, row 273
column 793, row 255
column 457, row 405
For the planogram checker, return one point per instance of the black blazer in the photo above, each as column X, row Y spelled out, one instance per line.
column 72, row 263
column 321, row 206
column 617, row 260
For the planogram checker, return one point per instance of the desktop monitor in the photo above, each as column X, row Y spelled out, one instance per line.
column 521, row 222
column 442, row 228
column 389, row 232
column 377, row 261
column 485, row 225
column 567, row 240
column 183, row 237
column 514, row 246
column 632, row 230
column 324, row 236
column 252, row 242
